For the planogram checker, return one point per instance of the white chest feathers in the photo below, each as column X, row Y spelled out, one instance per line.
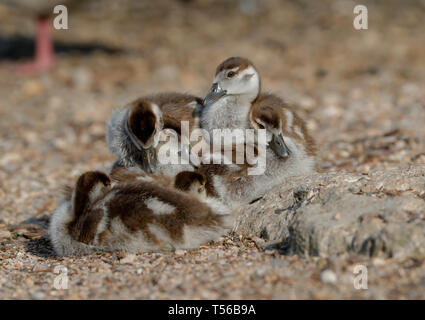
column 226, row 113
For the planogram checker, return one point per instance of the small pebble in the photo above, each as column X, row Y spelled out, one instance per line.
column 4, row 234
column 336, row 217
column 128, row 258
column 180, row 253
column 38, row 295
column 328, row 276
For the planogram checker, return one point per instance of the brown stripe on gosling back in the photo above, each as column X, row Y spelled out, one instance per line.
column 128, row 204
column 175, row 108
column 232, row 63
column 84, row 228
column 210, row 171
column 310, row 144
column 122, row 174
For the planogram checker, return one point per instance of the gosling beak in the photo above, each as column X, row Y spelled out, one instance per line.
column 149, row 160
column 279, row 147
column 214, row 94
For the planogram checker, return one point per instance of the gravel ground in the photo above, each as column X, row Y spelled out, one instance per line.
column 361, row 92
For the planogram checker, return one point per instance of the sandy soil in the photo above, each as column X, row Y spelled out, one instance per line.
column 361, row 92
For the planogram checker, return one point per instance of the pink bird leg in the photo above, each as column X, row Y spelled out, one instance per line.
column 44, row 52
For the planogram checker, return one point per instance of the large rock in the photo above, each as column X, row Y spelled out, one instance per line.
column 376, row 214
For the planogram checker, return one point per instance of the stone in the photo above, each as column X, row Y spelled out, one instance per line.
column 38, row 295
column 328, row 276
column 180, row 253
column 128, row 259
column 4, row 234
column 381, row 214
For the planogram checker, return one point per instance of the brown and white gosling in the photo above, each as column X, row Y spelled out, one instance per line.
column 133, row 132
column 235, row 101
column 136, row 215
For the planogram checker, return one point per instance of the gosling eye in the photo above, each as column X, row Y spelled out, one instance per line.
column 201, row 189
column 230, row 74
column 260, row 125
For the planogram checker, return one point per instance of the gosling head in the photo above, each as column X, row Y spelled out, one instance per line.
column 143, row 124
column 191, row 181
column 235, row 77
column 90, row 186
column 271, row 118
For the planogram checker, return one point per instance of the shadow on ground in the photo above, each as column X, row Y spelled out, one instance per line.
column 19, row 47
column 40, row 246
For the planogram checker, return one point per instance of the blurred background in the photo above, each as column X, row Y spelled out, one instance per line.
column 362, row 92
